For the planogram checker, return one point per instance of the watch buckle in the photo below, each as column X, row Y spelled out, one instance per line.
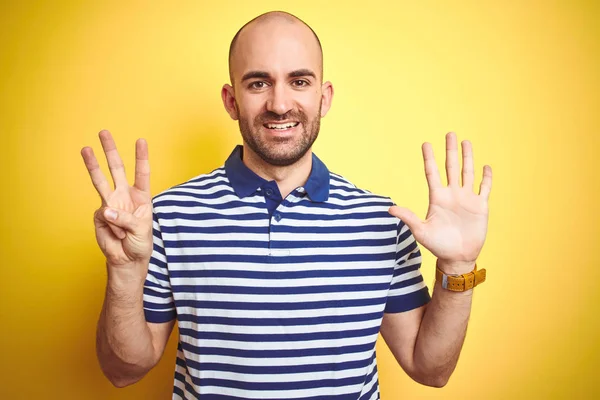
column 445, row 281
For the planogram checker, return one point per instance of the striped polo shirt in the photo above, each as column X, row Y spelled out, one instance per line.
column 278, row 298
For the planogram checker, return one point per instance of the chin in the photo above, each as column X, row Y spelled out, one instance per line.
column 284, row 157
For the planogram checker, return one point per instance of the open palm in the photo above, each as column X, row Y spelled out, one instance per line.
column 128, row 238
column 456, row 224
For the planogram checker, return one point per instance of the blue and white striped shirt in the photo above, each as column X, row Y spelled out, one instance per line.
column 278, row 298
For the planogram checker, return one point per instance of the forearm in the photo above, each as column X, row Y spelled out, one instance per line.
column 123, row 341
column 442, row 334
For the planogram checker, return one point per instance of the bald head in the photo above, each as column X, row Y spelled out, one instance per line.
column 260, row 31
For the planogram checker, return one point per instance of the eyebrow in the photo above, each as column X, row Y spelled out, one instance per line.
column 265, row 75
column 255, row 74
column 302, row 72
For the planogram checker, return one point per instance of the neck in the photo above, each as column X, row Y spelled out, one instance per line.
column 287, row 177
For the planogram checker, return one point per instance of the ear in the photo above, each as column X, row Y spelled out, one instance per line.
column 326, row 97
column 228, row 96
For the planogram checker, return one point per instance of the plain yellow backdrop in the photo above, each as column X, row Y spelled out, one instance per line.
column 519, row 79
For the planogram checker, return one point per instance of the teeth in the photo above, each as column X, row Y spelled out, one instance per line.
column 282, row 126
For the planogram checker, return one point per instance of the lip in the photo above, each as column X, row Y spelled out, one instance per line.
column 279, row 121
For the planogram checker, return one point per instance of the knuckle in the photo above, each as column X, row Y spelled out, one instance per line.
column 99, row 213
column 117, row 167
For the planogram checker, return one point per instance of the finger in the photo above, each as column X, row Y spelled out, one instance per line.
column 117, row 231
column 431, row 170
column 409, row 218
column 452, row 159
column 115, row 164
column 142, row 166
column 468, row 174
column 486, row 183
column 122, row 219
column 98, row 179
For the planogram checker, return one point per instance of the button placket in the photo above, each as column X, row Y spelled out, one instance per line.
column 276, row 252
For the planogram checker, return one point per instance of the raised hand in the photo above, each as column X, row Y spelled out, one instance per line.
column 124, row 220
column 456, row 224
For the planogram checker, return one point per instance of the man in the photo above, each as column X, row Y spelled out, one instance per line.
column 279, row 273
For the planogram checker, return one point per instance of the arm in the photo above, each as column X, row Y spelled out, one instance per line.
column 427, row 341
column 127, row 346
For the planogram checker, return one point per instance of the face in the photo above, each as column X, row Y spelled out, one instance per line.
column 280, row 139
column 277, row 94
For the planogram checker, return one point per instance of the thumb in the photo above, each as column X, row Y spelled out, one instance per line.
column 409, row 218
column 122, row 219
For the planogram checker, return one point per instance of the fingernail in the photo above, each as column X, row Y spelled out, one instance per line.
column 110, row 214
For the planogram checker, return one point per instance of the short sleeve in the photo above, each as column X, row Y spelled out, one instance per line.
column 158, row 296
column 407, row 288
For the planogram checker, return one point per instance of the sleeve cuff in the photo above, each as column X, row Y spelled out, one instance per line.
column 408, row 301
column 159, row 316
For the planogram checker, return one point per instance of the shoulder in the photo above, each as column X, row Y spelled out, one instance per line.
column 342, row 189
column 207, row 186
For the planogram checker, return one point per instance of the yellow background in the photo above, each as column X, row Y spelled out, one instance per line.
column 519, row 79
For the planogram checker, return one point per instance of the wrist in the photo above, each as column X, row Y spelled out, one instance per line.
column 449, row 267
column 130, row 277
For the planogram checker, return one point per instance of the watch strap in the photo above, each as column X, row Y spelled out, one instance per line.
column 460, row 283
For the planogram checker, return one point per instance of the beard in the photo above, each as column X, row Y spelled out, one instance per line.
column 280, row 151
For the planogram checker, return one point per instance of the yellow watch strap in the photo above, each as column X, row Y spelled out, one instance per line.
column 462, row 282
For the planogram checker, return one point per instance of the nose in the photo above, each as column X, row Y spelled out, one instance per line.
column 279, row 101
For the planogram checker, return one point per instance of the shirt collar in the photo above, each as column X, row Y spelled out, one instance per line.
column 245, row 181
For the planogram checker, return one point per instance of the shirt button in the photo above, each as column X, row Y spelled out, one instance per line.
column 269, row 192
column 277, row 217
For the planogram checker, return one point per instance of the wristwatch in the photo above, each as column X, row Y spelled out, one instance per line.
column 460, row 283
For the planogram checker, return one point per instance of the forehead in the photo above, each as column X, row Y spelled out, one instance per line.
column 276, row 47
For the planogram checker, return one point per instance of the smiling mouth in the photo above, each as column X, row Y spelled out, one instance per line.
column 281, row 127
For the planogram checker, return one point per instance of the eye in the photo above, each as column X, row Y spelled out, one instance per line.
column 257, row 85
column 300, row 83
